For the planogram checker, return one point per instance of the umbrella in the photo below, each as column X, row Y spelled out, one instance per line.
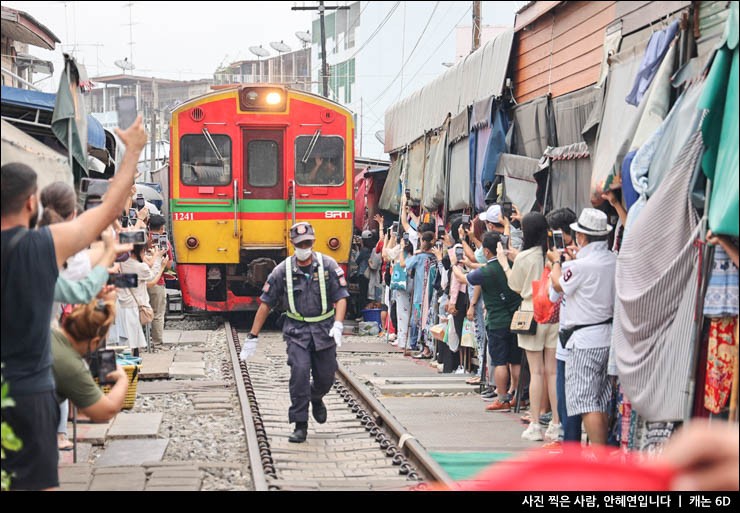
column 149, row 193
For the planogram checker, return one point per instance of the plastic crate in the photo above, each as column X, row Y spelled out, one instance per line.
column 372, row 315
column 132, row 371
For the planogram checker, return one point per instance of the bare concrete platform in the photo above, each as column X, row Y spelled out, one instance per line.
column 135, row 425
column 424, row 388
column 91, row 433
column 188, row 356
column 156, row 365
column 170, row 387
column 121, row 453
column 357, row 344
column 83, row 454
column 119, row 479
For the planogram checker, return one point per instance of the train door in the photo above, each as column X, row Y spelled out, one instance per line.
column 263, row 203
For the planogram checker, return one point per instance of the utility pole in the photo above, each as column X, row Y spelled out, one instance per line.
column 324, row 67
column 476, row 26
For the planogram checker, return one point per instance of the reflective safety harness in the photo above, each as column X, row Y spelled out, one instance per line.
column 292, row 312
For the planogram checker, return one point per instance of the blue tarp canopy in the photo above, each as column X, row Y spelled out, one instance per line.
column 25, row 98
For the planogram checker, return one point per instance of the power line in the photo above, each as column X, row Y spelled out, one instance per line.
column 372, row 103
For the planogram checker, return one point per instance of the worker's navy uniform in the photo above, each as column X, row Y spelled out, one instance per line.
column 311, row 350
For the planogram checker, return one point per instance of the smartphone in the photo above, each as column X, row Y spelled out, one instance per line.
column 133, row 237
column 140, row 201
column 557, row 240
column 163, row 244
column 132, row 213
column 124, row 280
column 93, row 186
column 394, row 227
column 406, row 237
column 124, row 221
column 507, row 209
column 92, row 202
column 439, row 244
column 440, row 232
column 459, row 253
column 408, row 194
column 505, row 241
column 466, row 221
column 106, row 365
column 126, row 109
column 155, row 239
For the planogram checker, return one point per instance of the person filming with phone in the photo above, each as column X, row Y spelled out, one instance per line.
column 73, row 346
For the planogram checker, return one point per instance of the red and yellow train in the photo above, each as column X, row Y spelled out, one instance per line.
column 246, row 163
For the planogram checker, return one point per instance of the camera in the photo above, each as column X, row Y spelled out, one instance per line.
column 92, row 202
column 133, row 237
column 140, row 202
column 557, row 240
column 126, row 109
column 93, row 186
column 507, row 209
column 102, row 363
column 124, row 280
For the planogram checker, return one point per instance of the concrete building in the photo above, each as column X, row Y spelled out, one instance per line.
column 290, row 68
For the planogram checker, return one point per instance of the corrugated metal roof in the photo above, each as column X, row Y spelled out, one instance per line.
column 477, row 77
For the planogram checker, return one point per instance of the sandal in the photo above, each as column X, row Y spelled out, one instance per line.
column 475, row 380
column 63, row 444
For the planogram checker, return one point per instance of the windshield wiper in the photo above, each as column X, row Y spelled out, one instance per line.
column 212, row 144
column 311, row 145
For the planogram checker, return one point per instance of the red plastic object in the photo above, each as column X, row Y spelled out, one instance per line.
column 593, row 468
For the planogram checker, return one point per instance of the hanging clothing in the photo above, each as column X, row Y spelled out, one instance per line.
column 721, row 356
column 654, row 53
column 656, row 296
column 721, row 299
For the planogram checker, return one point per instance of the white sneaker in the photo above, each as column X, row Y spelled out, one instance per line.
column 554, row 432
column 460, row 370
column 533, row 432
column 392, row 337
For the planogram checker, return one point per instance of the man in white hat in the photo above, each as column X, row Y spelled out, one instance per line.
column 587, row 284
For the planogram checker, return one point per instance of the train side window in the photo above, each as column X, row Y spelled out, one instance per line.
column 324, row 160
column 262, row 158
column 204, row 161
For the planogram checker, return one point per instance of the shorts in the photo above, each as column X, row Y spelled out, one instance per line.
column 34, row 419
column 587, row 386
column 503, row 348
column 546, row 337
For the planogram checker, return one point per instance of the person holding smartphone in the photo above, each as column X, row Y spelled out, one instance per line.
column 155, row 287
column 81, row 333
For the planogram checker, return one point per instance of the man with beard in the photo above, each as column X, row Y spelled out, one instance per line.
column 30, row 264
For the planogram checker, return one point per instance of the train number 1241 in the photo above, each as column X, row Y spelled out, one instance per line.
column 182, row 216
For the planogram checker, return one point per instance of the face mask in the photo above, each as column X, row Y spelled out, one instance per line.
column 303, row 254
column 578, row 242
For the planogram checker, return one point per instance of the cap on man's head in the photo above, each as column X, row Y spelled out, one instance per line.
column 367, row 234
column 300, row 232
column 492, row 215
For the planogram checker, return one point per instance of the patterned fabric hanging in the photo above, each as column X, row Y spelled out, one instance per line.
column 721, row 357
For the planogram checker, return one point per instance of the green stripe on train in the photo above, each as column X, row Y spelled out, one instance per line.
column 258, row 206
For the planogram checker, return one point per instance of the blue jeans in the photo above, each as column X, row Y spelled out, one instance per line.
column 571, row 425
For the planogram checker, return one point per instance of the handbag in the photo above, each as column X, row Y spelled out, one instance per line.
column 545, row 311
column 565, row 333
column 468, row 334
column 146, row 312
column 451, row 338
column 523, row 323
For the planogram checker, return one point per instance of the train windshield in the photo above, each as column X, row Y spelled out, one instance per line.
column 205, row 159
column 324, row 162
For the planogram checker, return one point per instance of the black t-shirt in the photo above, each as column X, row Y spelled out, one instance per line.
column 28, row 282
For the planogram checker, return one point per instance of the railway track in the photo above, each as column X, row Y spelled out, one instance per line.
column 360, row 447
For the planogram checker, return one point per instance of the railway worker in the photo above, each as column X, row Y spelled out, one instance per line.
column 314, row 288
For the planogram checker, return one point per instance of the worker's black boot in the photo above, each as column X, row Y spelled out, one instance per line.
column 318, row 410
column 300, row 433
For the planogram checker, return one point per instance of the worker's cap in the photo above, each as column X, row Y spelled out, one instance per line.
column 300, row 232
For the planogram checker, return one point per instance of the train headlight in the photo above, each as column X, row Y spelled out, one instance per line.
column 334, row 244
column 192, row 242
column 273, row 98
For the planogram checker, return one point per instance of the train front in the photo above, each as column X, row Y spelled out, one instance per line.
column 246, row 163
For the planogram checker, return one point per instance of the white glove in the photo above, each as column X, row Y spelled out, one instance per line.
column 336, row 332
column 249, row 347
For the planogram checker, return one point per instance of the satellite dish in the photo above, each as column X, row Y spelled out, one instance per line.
column 124, row 64
column 259, row 51
column 303, row 36
column 380, row 136
column 280, row 47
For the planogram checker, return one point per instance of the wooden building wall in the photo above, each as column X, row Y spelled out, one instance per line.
column 638, row 15
column 560, row 51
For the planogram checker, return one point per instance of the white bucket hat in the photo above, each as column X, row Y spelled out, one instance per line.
column 592, row 222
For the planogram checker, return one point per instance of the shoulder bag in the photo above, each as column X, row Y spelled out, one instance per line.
column 523, row 323
column 146, row 312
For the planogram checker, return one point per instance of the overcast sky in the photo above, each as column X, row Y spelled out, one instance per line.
column 178, row 40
